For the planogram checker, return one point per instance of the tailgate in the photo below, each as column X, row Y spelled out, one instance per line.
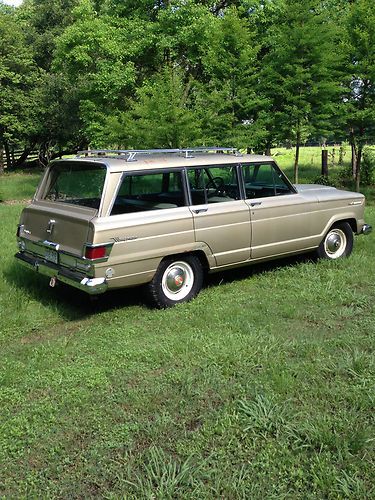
column 65, row 225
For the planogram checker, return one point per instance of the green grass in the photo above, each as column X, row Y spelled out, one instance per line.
column 19, row 185
column 262, row 387
column 310, row 162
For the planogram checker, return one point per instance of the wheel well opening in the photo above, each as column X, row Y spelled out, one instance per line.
column 198, row 253
column 202, row 257
column 351, row 222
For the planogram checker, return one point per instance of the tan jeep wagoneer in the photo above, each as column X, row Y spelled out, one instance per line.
column 113, row 219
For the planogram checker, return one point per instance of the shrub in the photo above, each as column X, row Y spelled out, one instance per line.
column 322, row 179
column 368, row 167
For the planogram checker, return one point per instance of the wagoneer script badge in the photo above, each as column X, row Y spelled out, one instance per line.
column 117, row 239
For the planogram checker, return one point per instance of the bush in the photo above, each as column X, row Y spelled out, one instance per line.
column 322, row 179
column 368, row 167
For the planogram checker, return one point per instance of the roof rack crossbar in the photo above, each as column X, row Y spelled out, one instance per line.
column 132, row 153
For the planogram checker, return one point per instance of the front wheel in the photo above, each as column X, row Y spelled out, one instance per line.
column 338, row 242
column 177, row 279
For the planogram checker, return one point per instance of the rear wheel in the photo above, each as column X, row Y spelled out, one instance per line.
column 177, row 279
column 337, row 243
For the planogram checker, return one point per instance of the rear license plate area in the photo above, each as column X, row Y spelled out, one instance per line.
column 51, row 256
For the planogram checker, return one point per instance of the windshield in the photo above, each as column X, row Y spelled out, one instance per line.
column 76, row 183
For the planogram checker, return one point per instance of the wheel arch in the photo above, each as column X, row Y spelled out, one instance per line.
column 351, row 221
column 198, row 253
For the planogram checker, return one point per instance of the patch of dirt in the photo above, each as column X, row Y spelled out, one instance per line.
column 15, row 202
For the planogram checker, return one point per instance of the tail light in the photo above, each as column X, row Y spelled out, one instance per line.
column 93, row 253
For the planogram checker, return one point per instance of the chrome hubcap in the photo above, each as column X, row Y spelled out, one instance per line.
column 177, row 280
column 335, row 243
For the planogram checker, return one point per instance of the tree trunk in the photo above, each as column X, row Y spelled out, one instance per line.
column 7, row 154
column 354, row 161
column 358, row 169
column 1, row 159
column 21, row 160
column 354, row 153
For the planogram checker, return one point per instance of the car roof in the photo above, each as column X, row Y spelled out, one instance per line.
column 170, row 160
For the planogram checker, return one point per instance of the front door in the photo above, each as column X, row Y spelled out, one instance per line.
column 221, row 218
column 281, row 219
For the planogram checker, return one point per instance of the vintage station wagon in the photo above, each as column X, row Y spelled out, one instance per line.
column 117, row 218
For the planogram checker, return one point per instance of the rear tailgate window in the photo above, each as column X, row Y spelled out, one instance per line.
column 76, row 183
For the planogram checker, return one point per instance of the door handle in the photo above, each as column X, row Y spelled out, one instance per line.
column 200, row 210
column 255, row 203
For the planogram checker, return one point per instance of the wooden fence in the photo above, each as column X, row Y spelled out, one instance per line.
column 16, row 155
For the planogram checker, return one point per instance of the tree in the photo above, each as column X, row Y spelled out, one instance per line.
column 19, row 79
column 298, row 81
column 161, row 115
column 43, row 22
column 360, row 101
column 227, row 89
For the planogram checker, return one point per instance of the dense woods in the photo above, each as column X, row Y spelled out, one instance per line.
column 145, row 74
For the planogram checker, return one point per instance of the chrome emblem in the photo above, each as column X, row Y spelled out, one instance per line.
column 50, row 226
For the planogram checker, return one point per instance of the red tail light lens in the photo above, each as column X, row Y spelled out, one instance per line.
column 95, row 252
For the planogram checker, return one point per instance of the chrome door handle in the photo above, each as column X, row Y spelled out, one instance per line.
column 50, row 226
column 200, row 210
column 255, row 203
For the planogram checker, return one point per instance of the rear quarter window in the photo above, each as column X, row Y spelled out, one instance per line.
column 149, row 191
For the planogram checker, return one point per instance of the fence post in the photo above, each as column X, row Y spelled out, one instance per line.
column 324, row 162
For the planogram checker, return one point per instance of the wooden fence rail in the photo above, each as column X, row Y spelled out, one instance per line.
column 16, row 155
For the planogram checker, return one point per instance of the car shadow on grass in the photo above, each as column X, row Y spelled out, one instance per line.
column 245, row 272
column 71, row 303
column 74, row 304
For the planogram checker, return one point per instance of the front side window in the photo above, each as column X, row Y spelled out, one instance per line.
column 76, row 183
column 263, row 180
column 150, row 191
column 214, row 184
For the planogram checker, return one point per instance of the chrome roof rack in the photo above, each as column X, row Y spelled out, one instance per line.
column 130, row 154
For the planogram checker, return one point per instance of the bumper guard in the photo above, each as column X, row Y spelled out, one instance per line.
column 366, row 229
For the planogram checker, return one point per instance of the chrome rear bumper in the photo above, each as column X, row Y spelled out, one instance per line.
column 93, row 286
column 366, row 229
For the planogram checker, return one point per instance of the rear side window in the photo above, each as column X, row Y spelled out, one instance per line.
column 153, row 191
column 76, row 183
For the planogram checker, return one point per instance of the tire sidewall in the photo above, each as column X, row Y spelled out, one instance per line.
column 347, row 230
column 155, row 288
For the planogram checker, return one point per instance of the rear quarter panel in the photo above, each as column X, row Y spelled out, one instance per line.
column 141, row 240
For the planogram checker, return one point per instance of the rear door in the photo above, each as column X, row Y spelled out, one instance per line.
column 221, row 217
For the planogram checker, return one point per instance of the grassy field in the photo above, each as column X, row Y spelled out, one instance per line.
column 262, row 387
column 19, row 186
